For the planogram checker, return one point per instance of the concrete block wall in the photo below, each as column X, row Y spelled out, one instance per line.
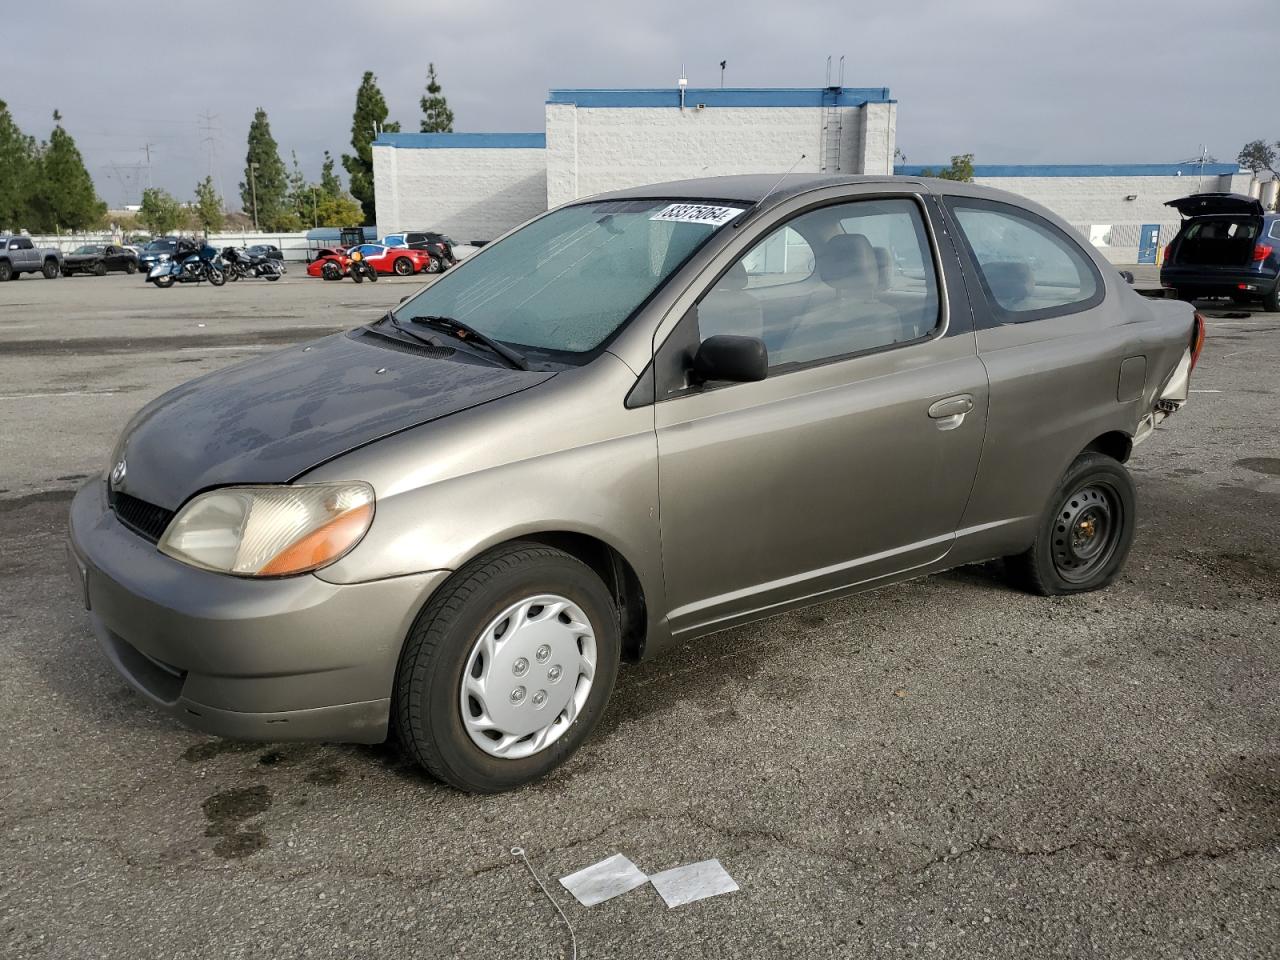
column 469, row 186
column 592, row 150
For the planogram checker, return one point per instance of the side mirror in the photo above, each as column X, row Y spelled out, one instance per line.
column 405, row 297
column 735, row 359
column 1128, row 276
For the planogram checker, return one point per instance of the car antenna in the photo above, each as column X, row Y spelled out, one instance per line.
column 768, row 193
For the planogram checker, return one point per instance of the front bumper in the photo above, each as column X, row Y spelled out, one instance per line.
column 295, row 658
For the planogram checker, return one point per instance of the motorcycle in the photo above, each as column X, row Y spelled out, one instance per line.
column 239, row 264
column 190, row 262
column 359, row 268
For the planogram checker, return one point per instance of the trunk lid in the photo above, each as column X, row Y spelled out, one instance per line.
column 1199, row 204
column 275, row 417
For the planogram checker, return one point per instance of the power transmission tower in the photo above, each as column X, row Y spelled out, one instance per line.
column 212, row 131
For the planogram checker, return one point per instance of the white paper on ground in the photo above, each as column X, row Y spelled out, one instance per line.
column 604, row 880
column 695, row 881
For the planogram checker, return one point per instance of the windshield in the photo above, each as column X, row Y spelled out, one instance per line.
column 570, row 279
column 160, row 246
column 89, row 248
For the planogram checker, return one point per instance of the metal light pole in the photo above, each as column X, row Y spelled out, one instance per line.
column 253, row 192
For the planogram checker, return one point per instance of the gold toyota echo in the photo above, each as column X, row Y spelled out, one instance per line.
column 637, row 419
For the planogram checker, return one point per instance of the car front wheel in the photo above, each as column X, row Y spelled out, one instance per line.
column 1085, row 533
column 508, row 668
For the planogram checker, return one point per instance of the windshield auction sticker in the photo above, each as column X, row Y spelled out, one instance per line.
column 712, row 216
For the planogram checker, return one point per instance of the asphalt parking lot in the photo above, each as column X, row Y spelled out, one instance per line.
column 944, row 767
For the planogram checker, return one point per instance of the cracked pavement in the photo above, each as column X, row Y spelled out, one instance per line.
column 945, row 767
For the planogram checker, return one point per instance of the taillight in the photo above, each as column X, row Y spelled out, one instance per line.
column 1261, row 252
column 1197, row 339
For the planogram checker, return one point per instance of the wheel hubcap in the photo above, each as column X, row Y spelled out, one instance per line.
column 528, row 675
column 1084, row 537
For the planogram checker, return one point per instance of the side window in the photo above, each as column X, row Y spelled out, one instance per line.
column 782, row 257
column 832, row 282
column 1274, row 233
column 22, row 243
column 1029, row 268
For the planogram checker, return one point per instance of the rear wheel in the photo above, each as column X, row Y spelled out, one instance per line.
column 1271, row 302
column 164, row 282
column 1086, row 532
column 508, row 668
column 131, row 266
column 50, row 269
column 433, row 265
column 331, row 271
column 403, row 266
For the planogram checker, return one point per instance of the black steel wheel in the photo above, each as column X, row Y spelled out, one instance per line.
column 1085, row 535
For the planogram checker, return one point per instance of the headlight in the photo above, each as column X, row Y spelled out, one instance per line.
column 270, row 531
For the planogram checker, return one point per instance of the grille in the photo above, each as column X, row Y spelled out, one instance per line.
column 145, row 519
column 374, row 339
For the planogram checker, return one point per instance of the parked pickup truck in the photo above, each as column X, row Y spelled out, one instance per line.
column 18, row 255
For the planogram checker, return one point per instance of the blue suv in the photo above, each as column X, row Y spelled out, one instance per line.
column 1228, row 246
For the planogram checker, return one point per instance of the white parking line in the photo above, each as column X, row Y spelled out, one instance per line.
column 71, row 393
column 1206, row 391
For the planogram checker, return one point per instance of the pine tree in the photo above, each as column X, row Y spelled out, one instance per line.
column 330, row 182
column 370, row 115
column 268, row 183
column 436, row 115
column 64, row 196
column 301, row 200
column 18, row 158
column 208, row 206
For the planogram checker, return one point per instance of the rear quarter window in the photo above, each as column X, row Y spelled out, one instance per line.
column 1274, row 232
column 1028, row 268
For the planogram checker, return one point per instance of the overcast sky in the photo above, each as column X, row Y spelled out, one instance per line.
column 1011, row 81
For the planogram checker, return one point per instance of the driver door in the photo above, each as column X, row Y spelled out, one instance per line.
column 853, row 459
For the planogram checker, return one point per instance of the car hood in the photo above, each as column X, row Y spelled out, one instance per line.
column 1200, row 204
column 277, row 416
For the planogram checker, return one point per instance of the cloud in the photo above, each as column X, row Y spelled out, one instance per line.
column 1010, row 80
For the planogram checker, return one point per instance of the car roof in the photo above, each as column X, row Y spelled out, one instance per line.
column 753, row 187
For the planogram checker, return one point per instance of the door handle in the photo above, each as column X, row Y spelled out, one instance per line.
column 951, row 407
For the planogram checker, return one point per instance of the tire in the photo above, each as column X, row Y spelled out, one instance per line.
column 357, row 276
column 331, row 271
column 165, row 282
column 67, row 271
column 99, row 269
column 273, row 276
column 1095, row 498
column 444, row 646
column 403, row 267
column 215, row 276
column 6, row 271
column 131, row 266
column 232, row 273
column 1271, row 302
column 433, row 266
column 50, row 269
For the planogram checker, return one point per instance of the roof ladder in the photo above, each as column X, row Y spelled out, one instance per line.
column 832, row 130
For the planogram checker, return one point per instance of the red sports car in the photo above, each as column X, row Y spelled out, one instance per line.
column 401, row 261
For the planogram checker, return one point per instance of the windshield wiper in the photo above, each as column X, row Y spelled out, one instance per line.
column 466, row 333
column 390, row 318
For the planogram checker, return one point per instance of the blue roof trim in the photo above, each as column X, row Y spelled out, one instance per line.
column 725, row 97
column 1080, row 169
column 463, row 141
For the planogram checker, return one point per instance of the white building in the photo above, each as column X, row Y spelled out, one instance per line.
column 478, row 185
